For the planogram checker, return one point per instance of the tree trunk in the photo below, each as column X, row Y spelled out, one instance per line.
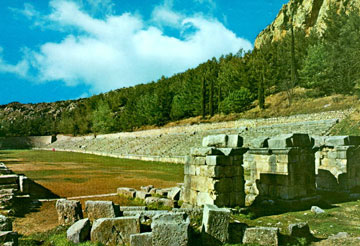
column 203, row 106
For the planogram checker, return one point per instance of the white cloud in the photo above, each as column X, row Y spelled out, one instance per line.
column 20, row 69
column 124, row 50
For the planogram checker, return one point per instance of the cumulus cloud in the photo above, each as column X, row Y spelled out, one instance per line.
column 124, row 50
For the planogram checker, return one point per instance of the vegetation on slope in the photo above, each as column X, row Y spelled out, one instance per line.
column 326, row 64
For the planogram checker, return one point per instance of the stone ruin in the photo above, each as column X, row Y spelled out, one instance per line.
column 285, row 168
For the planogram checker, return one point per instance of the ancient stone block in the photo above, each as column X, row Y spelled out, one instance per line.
column 234, row 141
column 5, row 223
column 129, row 192
column 146, row 188
column 115, row 231
column 215, row 222
column 170, row 229
column 290, row 140
column 145, row 214
column 300, row 230
column 213, row 160
column 79, row 232
column 132, row 208
column 205, row 151
column 100, row 209
column 261, row 236
column 141, row 239
column 219, row 141
column 174, row 194
column 142, row 194
column 69, row 211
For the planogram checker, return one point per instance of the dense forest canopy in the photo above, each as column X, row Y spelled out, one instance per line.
column 327, row 63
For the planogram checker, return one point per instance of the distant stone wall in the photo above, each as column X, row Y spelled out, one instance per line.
column 25, row 142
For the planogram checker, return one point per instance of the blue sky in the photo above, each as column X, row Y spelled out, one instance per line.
column 54, row 50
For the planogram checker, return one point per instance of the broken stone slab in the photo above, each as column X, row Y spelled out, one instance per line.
column 115, row 231
column 174, row 194
column 142, row 194
column 132, row 208
column 144, row 215
column 69, row 211
column 79, row 232
column 128, row 192
column 262, row 236
column 170, row 229
column 290, row 140
column 205, row 151
column 215, row 223
column 5, row 223
column 141, row 239
column 8, row 237
column 191, row 212
column 218, row 141
column 147, row 188
column 167, row 202
column 259, row 142
column 151, row 200
column 300, row 230
column 235, row 141
column 100, row 209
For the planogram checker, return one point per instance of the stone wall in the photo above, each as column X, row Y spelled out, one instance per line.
column 214, row 173
column 285, row 169
column 338, row 163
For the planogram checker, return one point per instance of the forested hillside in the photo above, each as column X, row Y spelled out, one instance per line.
column 325, row 62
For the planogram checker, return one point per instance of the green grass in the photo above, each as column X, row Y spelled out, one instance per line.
column 55, row 237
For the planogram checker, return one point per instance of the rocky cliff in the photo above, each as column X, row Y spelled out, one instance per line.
column 309, row 14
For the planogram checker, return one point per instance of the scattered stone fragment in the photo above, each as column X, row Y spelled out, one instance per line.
column 215, row 223
column 69, row 211
column 317, row 210
column 132, row 208
column 141, row 239
column 262, row 236
column 100, row 209
column 115, row 231
column 79, row 232
column 5, row 223
column 146, row 188
column 151, row 200
column 170, row 229
column 129, row 192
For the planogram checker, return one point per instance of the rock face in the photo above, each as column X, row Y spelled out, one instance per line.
column 79, row 232
column 100, row 209
column 142, row 239
column 68, row 211
column 309, row 14
column 115, row 231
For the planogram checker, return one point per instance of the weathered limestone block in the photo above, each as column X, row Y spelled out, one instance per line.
column 235, row 141
column 215, row 222
column 142, row 194
column 141, row 239
column 205, row 151
column 174, row 194
column 262, row 236
column 8, row 237
column 217, row 141
column 79, row 232
column 115, row 231
column 100, row 209
column 129, row 192
column 290, row 140
column 170, row 229
column 151, row 200
column 69, row 211
column 5, row 223
column 342, row 140
column 145, row 214
column 133, row 208
column 162, row 192
column 214, row 160
column 147, row 188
